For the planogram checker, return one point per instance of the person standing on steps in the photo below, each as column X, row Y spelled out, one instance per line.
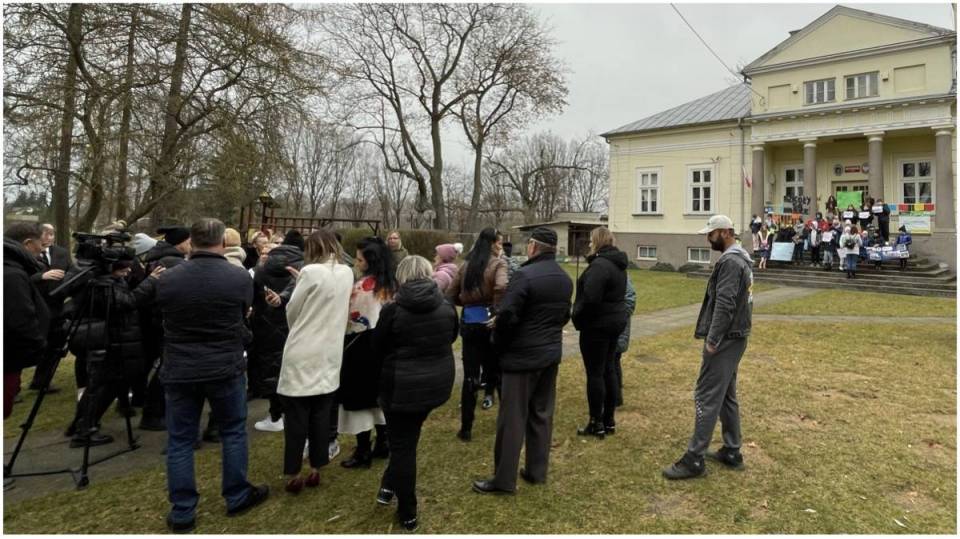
column 724, row 323
column 528, row 336
column 360, row 414
column 479, row 286
column 413, row 339
column 599, row 313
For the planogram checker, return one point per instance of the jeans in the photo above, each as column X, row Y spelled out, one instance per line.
column 851, row 266
column 400, row 476
column 184, row 407
column 599, row 352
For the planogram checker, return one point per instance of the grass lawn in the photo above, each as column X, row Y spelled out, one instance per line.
column 835, row 441
column 833, row 302
column 57, row 409
column 658, row 290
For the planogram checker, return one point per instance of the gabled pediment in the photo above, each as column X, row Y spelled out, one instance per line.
column 844, row 29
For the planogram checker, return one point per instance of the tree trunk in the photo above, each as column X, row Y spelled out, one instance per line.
column 168, row 147
column 436, row 178
column 473, row 217
column 61, row 181
column 121, row 194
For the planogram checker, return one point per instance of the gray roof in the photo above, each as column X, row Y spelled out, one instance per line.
column 725, row 105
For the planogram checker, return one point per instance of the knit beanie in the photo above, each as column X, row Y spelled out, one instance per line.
column 174, row 235
column 447, row 252
column 294, row 237
column 142, row 243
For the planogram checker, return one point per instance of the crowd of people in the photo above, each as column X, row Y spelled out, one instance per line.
column 357, row 344
column 839, row 236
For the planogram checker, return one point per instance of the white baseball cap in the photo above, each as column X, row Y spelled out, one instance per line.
column 717, row 222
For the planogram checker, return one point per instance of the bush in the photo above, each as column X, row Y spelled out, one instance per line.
column 662, row 266
column 690, row 268
column 417, row 242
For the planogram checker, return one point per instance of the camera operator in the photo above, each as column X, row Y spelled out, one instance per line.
column 55, row 262
column 108, row 336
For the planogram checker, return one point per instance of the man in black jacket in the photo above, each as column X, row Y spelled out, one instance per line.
column 166, row 253
column 55, row 262
column 528, row 336
column 724, row 323
column 26, row 316
column 203, row 302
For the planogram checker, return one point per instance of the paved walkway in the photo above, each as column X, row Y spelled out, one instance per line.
column 49, row 450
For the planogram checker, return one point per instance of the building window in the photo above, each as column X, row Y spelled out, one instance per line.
column 698, row 255
column 700, row 190
column 820, row 91
column 648, row 190
column 916, row 181
column 793, row 183
column 862, row 85
column 646, row 252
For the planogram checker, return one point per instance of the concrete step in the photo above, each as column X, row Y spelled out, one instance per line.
column 890, row 276
column 923, row 271
column 859, row 284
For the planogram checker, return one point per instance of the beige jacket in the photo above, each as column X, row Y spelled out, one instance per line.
column 492, row 288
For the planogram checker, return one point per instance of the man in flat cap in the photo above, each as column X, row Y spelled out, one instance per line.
column 528, row 337
column 724, row 323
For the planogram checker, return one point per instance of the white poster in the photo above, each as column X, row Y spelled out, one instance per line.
column 916, row 224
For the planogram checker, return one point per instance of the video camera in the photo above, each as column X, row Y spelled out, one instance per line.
column 102, row 249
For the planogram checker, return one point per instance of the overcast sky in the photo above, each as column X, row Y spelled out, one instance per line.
column 628, row 61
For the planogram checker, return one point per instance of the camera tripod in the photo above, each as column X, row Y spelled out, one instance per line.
column 80, row 475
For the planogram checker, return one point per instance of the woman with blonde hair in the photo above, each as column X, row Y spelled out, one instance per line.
column 599, row 312
column 312, row 355
column 413, row 340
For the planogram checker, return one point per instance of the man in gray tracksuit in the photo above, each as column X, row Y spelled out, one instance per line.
column 724, row 323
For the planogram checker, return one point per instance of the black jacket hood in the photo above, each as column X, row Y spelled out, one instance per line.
column 15, row 253
column 161, row 250
column 611, row 253
column 280, row 257
column 420, row 296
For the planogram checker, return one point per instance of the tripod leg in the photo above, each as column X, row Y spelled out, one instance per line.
column 25, row 428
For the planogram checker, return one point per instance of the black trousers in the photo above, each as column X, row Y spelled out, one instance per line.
column 334, row 419
column 525, row 418
column 885, row 230
column 305, row 418
column 618, row 370
column 400, row 476
column 599, row 352
column 815, row 254
column 56, row 338
column 476, row 351
column 154, row 405
column 106, row 380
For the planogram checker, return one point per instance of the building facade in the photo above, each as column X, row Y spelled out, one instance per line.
column 853, row 102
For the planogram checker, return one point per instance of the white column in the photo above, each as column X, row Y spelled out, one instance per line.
column 875, row 175
column 810, row 173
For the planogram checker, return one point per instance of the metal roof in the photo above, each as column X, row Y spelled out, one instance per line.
column 728, row 104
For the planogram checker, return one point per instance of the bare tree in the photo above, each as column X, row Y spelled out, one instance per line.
column 514, row 78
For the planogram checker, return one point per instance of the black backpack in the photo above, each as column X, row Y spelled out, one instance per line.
column 850, row 243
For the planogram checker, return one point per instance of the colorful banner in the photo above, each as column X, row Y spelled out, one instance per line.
column 916, row 224
column 782, row 251
column 845, row 198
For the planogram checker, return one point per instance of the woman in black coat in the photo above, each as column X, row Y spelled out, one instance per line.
column 413, row 340
column 600, row 315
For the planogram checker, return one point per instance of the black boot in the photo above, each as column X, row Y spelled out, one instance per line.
column 381, row 448
column 688, row 467
column 361, row 457
column 593, row 428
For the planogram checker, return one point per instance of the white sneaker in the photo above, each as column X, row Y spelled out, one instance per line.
column 333, row 450
column 267, row 425
column 306, row 449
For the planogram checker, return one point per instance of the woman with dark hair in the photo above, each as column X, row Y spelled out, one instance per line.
column 360, row 372
column 479, row 285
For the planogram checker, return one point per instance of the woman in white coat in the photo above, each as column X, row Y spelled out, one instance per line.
column 310, row 371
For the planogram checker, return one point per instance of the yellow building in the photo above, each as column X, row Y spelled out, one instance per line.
column 854, row 101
